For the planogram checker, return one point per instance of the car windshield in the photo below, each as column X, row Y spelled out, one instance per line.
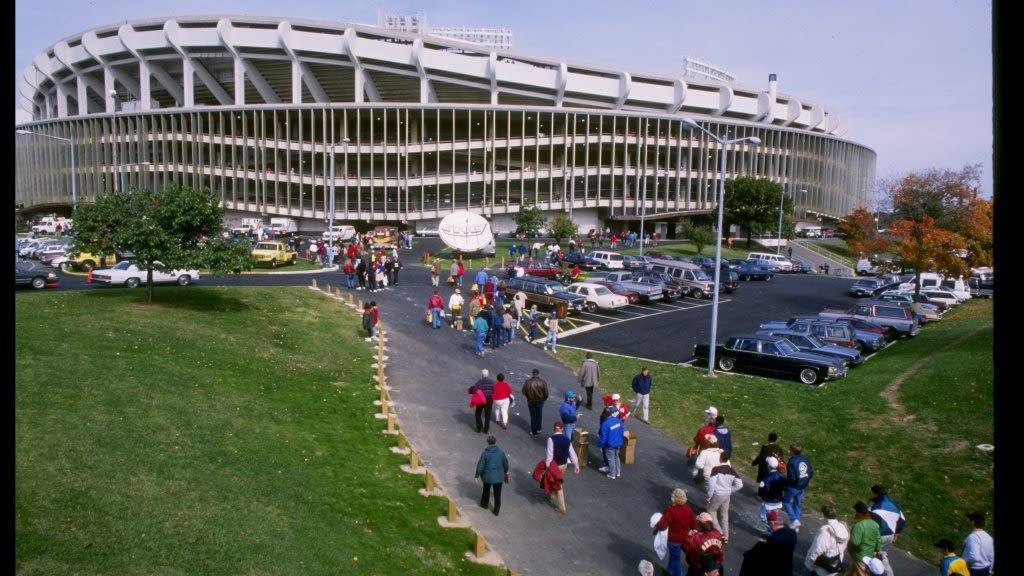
column 121, row 265
column 813, row 341
column 602, row 291
column 786, row 347
column 700, row 275
column 266, row 246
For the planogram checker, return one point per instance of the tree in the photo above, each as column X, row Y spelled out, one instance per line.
column 562, row 227
column 701, row 236
column 529, row 220
column 861, row 232
column 924, row 246
column 753, row 204
column 179, row 227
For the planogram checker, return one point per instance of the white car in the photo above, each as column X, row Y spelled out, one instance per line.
column 597, row 296
column 129, row 275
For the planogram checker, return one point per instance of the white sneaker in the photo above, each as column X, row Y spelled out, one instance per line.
column 603, row 469
column 795, row 525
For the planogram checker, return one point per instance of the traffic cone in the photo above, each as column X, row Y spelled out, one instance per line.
column 88, row 277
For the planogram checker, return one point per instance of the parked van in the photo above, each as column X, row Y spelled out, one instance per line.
column 283, row 226
column 782, row 262
column 341, row 233
column 607, row 260
column 695, row 282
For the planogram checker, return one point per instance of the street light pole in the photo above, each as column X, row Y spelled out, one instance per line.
column 778, row 241
column 643, row 212
column 113, row 133
column 71, row 144
column 689, row 123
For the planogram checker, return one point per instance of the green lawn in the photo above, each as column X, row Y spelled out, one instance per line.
column 218, row 431
column 910, row 419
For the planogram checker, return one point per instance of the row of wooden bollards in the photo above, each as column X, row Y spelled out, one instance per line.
column 480, row 552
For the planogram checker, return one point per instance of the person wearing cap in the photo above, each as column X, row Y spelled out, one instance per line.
column 590, row 378
column 455, row 304
column 678, row 518
column 771, row 489
column 535, row 390
column 700, row 439
column 707, row 459
column 865, row 538
column 722, row 482
column 950, row 564
column 614, row 401
column 769, row 449
column 874, row 565
column 569, row 412
column 642, row 389
column 483, row 411
column 979, row 550
column 561, row 452
column 703, row 547
column 825, row 556
column 610, row 439
column 772, row 556
column 890, row 522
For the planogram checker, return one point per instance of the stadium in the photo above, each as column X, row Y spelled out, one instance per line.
column 292, row 117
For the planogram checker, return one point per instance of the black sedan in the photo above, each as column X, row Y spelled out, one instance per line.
column 772, row 356
column 35, row 275
column 580, row 259
column 753, row 270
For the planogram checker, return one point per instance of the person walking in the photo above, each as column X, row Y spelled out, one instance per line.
column 455, row 304
column 703, row 547
column 535, row 390
column 890, row 521
column 721, row 484
column 590, row 377
column 435, row 276
column 979, row 549
column 774, row 555
column 770, row 449
column 453, row 271
column 707, row 459
column 865, row 540
column 534, row 320
column 642, row 389
column 723, row 434
column 502, row 398
column 678, row 518
column 610, row 440
column 560, row 451
column 950, row 564
column 569, row 413
column 799, row 472
column 368, row 321
column 476, row 304
column 350, row 273
column 771, row 489
column 552, row 338
column 480, row 328
column 492, row 470
column 483, row 411
column 435, row 305
column 827, row 551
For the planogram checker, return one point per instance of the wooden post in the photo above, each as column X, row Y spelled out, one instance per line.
column 481, row 546
column 313, row 282
column 350, row 299
column 402, row 441
column 327, row 287
column 391, row 423
column 429, row 482
column 628, row 452
column 414, row 459
column 337, row 292
column 581, row 440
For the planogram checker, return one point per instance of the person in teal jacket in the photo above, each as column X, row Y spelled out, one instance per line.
column 492, row 470
column 480, row 328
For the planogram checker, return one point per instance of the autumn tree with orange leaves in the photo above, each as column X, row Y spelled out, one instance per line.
column 861, row 233
column 938, row 217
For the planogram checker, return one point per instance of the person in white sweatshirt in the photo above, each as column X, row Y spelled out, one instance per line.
column 829, row 542
column 722, row 482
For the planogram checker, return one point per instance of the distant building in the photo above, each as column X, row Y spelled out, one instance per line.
column 257, row 108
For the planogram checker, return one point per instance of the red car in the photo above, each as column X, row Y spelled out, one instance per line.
column 631, row 296
column 542, row 270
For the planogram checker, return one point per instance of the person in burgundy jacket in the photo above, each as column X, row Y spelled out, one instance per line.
column 679, row 520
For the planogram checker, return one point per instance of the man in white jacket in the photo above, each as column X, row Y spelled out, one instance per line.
column 722, row 482
column 829, row 542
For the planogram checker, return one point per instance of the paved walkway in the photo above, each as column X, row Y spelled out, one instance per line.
column 606, row 530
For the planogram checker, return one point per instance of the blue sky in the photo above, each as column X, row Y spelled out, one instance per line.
column 911, row 78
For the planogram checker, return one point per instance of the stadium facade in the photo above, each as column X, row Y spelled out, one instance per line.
column 257, row 109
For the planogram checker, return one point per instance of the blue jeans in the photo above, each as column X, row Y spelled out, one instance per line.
column 496, row 337
column 675, row 559
column 568, row 428
column 551, row 340
column 435, row 318
column 611, row 459
column 373, row 331
column 351, row 280
column 480, row 343
column 792, row 501
column 764, row 517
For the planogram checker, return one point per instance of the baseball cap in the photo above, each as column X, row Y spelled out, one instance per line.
column 712, row 410
column 772, row 462
column 558, row 425
column 570, row 394
column 616, row 397
column 874, row 565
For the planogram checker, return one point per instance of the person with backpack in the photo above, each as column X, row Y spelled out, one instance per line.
column 769, row 449
column 827, row 553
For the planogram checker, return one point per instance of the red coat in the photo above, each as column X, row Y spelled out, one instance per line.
column 550, row 477
column 679, row 520
column 700, row 544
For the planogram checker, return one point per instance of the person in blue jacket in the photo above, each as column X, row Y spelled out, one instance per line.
column 642, row 389
column 890, row 522
column 610, row 440
column 569, row 412
column 798, row 475
column 771, row 489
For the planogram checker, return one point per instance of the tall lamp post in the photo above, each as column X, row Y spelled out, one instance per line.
column 330, row 208
column 691, row 124
column 71, row 143
column 782, row 193
column 113, row 133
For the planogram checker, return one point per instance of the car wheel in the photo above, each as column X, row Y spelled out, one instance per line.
column 808, row 376
column 292, row 261
column 698, row 294
column 745, row 277
column 132, row 283
column 39, row 282
column 726, row 364
column 767, row 278
column 591, row 307
column 184, row 280
column 859, row 347
column 273, row 263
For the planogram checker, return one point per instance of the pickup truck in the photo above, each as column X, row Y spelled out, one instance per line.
column 273, row 253
column 648, row 292
column 49, row 224
column 902, row 320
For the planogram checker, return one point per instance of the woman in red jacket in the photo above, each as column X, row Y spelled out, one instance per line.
column 502, row 394
column 679, row 520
